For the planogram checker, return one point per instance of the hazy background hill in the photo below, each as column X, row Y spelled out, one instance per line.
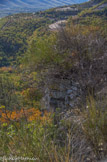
column 8, row 7
column 37, row 3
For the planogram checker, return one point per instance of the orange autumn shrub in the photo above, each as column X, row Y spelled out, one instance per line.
column 6, row 115
column 31, row 114
column 6, row 69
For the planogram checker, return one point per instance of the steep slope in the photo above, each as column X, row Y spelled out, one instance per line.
column 43, row 70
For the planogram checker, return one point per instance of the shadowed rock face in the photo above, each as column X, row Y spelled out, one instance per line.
column 61, row 95
column 104, row 160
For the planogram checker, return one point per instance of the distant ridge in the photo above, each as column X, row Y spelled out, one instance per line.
column 8, row 7
column 37, row 3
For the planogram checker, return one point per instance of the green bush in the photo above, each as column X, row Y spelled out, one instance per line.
column 95, row 124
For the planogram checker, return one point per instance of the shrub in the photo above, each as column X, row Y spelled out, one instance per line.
column 95, row 125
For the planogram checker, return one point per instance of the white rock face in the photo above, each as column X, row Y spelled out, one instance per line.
column 57, row 25
column 66, row 9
